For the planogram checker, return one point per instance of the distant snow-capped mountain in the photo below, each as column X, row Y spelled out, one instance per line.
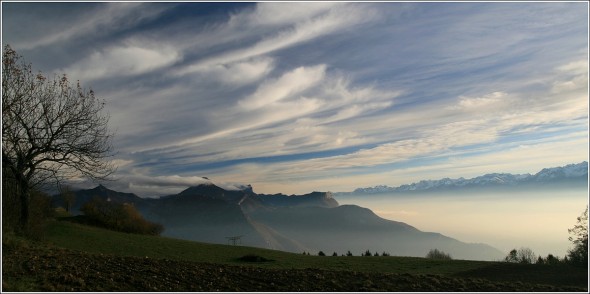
column 568, row 173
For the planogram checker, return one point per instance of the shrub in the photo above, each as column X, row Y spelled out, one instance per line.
column 438, row 254
column 321, row 253
column 253, row 258
column 522, row 255
column 552, row 259
column 348, row 253
column 334, row 254
column 549, row 260
column 119, row 217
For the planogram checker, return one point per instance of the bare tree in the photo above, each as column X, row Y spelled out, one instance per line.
column 51, row 129
column 526, row 255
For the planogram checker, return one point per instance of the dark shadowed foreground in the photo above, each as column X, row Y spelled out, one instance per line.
column 52, row 269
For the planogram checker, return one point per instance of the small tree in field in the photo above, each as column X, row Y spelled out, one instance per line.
column 512, row 256
column 438, row 254
column 51, row 130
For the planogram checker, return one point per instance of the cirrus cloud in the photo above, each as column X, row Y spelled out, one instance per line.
column 125, row 60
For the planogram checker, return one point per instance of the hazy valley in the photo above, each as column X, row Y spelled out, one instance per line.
column 400, row 222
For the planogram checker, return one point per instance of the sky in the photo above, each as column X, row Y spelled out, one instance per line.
column 326, row 96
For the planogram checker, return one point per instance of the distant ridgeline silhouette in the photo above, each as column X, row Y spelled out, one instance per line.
column 568, row 176
column 296, row 223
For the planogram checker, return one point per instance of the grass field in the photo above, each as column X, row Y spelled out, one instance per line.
column 73, row 242
column 96, row 240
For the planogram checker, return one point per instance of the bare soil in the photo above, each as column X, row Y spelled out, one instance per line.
column 42, row 269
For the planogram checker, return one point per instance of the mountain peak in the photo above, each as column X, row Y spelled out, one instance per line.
column 102, row 188
column 207, row 182
column 206, row 187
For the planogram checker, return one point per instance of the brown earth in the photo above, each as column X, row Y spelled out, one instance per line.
column 68, row 270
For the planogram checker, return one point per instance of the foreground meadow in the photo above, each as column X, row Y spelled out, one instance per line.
column 75, row 257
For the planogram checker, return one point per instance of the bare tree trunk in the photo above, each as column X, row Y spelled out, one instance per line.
column 10, row 200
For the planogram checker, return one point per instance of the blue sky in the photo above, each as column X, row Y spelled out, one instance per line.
column 297, row 97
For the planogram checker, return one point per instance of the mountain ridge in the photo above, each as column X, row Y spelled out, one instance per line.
column 211, row 212
column 296, row 223
column 555, row 175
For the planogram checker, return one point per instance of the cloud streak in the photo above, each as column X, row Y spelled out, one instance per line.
column 132, row 59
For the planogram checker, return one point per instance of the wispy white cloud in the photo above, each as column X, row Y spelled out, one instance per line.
column 303, row 98
column 578, row 67
column 270, row 13
column 289, row 84
column 239, row 73
column 485, row 101
column 575, row 77
column 125, row 60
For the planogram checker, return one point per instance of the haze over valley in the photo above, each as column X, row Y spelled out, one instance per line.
column 460, row 216
column 504, row 210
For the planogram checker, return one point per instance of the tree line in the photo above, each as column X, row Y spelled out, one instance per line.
column 432, row 254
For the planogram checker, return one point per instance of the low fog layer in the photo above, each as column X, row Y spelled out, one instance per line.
column 506, row 219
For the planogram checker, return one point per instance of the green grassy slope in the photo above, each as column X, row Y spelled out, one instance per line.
column 96, row 240
column 113, row 259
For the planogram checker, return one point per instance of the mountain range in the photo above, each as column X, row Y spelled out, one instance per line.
column 295, row 223
column 316, row 221
column 569, row 175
